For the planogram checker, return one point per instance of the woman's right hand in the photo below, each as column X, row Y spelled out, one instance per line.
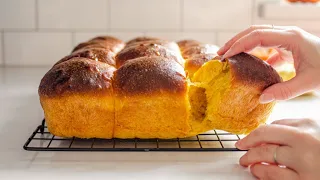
column 305, row 49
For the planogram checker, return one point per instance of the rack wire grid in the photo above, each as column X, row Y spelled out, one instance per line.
column 42, row 140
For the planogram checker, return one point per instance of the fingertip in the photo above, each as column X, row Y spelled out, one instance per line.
column 253, row 169
column 221, row 51
column 241, row 145
column 266, row 98
column 238, row 144
column 227, row 54
column 242, row 148
column 288, row 89
column 242, row 161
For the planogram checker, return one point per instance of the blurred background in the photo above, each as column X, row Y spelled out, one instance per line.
column 40, row 32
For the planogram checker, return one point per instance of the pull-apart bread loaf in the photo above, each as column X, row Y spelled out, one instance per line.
column 153, row 88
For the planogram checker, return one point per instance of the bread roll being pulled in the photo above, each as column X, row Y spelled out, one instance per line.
column 145, row 89
column 225, row 94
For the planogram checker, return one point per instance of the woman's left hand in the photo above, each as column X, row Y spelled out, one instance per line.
column 290, row 143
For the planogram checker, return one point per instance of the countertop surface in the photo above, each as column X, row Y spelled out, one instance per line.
column 20, row 113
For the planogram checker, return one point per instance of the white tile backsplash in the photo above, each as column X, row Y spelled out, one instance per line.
column 82, row 37
column 205, row 37
column 145, row 14
column 217, row 14
column 73, row 14
column 224, row 37
column 18, row 14
column 36, row 49
column 39, row 32
column 124, row 36
column 275, row 10
column 310, row 25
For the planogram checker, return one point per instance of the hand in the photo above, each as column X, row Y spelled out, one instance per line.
column 295, row 144
column 305, row 49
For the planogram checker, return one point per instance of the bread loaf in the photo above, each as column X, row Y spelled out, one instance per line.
column 153, row 88
column 78, row 100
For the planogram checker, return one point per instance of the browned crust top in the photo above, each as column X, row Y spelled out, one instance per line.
column 148, row 75
column 141, row 39
column 96, row 54
column 168, row 44
column 202, row 49
column 146, row 50
column 253, row 70
column 77, row 75
column 183, row 44
column 197, row 61
column 108, row 45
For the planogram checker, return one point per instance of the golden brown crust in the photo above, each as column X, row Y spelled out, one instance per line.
column 90, row 45
column 96, row 54
column 149, row 75
column 141, row 39
column 196, row 61
column 168, row 44
column 202, row 49
column 146, row 50
column 77, row 75
column 107, row 42
column 184, row 44
column 253, row 71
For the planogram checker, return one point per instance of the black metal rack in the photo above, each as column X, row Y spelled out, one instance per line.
column 42, row 140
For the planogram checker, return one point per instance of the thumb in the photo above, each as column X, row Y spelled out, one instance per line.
column 275, row 59
column 286, row 90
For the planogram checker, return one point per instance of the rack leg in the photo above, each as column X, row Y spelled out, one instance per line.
column 42, row 126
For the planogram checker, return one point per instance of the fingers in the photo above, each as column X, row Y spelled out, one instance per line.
column 280, row 57
column 273, row 172
column 288, row 89
column 270, row 134
column 226, row 47
column 261, row 37
column 275, row 59
column 305, row 125
column 288, row 122
column 265, row 153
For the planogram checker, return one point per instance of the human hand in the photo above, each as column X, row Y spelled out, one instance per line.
column 305, row 49
column 291, row 143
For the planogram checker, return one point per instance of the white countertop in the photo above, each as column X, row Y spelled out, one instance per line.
column 20, row 113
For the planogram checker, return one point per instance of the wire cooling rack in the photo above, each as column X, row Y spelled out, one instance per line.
column 42, row 140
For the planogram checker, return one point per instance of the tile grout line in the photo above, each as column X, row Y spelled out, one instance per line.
column 55, row 30
column 36, row 21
